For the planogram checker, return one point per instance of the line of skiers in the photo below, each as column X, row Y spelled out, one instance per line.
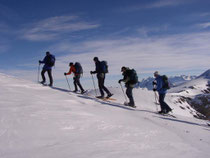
column 130, row 79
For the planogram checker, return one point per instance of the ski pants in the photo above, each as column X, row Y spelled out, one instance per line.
column 129, row 93
column 101, row 80
column 49, row 71
column 163, row 105
column 77, row 83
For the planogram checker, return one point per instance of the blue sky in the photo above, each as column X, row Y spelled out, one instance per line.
column 171, row 36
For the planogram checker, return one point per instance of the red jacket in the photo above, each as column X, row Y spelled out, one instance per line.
column 72, row 70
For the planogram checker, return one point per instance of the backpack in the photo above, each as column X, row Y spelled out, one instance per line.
column 51, row 60
column 104, row 67
column 133, row 76
column 165, row 82
column 78, row 68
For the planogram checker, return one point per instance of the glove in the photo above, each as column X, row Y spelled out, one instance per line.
column 120, row 81
column 40, row 61
column 64, row 73
column 154, row 83
column 154, row 89
column 91, row 72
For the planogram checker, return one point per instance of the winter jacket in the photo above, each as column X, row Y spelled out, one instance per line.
column 72, row 70
column 159, row 87
column 46, row 62
column 98, row 69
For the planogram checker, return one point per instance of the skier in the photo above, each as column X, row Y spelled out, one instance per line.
column 162, row 90
column 48, row 62
column 76, row 78
column 101, row 70
column 130, row 82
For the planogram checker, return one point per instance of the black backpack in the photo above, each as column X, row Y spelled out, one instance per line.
column 104, row 67
column 165, row 82
column 133, row 76
column 51, row 60
column 78, row 68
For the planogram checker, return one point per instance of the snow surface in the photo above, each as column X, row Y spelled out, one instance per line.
column 43, row 122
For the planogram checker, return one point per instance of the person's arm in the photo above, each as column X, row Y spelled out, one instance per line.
column 70, row 70
column 96, row 70
column 43, row 61
column 125, row 79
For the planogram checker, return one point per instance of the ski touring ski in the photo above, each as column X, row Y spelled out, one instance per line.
column 168, row 114
column 126, row 104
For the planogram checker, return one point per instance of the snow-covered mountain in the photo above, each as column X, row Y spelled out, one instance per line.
column 196, row 93
column 173, row 80
column 42, row 122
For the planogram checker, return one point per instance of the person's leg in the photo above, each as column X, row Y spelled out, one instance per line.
column 130, row 95
column 50, row 77
column 164, row 106
column 100, row 85
column 75, row 84
column 105, row 89
column 78, row 83
column 43, row 76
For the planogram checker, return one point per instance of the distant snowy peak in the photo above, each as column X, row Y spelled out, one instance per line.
column 174, row 81
column 206, row 75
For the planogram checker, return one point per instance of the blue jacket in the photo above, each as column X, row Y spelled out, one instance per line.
column 45, row 61
column 159, row 87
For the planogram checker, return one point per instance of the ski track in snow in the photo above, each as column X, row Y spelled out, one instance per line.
column 42, row 122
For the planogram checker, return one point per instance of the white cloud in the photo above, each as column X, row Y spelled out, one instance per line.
column 144, row 31
column 164, row 3
column 155, row 4
column 54, row 27
column 204, row 25
column 172, row 53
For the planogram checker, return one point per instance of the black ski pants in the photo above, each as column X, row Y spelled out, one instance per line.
column 164, row 106
column 77, row 83
column 101, row 80
column 129, row 93
column 49, row 71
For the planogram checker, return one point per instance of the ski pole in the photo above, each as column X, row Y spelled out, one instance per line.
column 156, row 101
column 94, row 84
column 68, row 83
column 38, row 73
column 124, row 93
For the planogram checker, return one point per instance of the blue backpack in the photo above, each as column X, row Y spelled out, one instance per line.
column 104, row 67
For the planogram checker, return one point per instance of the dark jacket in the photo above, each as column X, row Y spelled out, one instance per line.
column 126, row 78
column 98, row 69
column 46, row 61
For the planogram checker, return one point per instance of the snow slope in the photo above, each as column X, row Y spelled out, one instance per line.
column 41, row 122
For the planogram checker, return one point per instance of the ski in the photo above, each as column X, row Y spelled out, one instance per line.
column 170, row 115
column 82, row 93
column 107, row 99
column 126, row 104
column 43, row 84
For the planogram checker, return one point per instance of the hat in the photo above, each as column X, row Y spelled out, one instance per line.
column 95, row 58
column 47, row 53
column 70, row 63
column 123, row 68
column 156, row 73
